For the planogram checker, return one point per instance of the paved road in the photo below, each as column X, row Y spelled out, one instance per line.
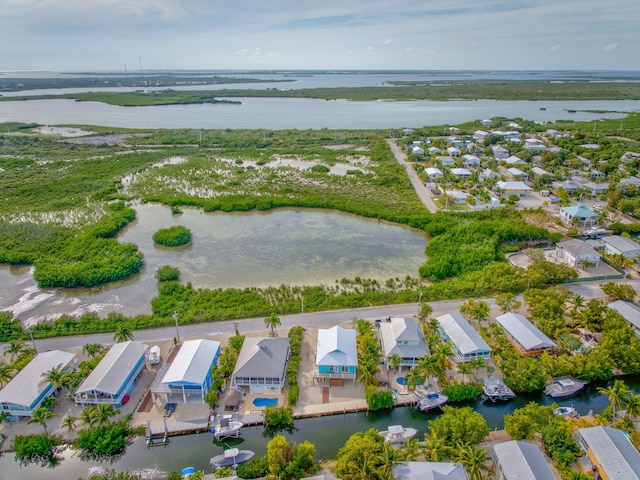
column 418, row 184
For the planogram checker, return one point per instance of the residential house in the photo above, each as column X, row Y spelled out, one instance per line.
column 596, row 189
column 262, row 365
column 433, row 173
column 486, row 122
column 630, row 157
column 475, row 149
column 525, row 336
column 514, row 188
column 590, row 146
column 627, row 182
column 568, row 186
column 534, row 145
column 518, row 460
column 579, row 215
column 575, row 252
column 188, row 376
column 453, row 152
column 513, row 160
column 28, row 389
column 610, row 455
column 417, row 150
column 481, row 135
column 458, row 197
column 446, row 161
column 630, row 312
column 618, row 245
column 467, row 343
column 499, row 152
column 540, row 172
column 461, row 172
column 429, row 471
column 517, row 174
column 434, row 150
column 402, row 337
column 488, row 173
column 470, row 161
column 114, row 377
column 336, row 354
column 597, row 174
column 511, row 136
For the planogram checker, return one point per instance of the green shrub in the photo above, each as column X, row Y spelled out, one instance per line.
column 292, row 395
column 459, row 392
column 320, row 169
column 256, row 468
column 167, row 273
column 34, row 448
column 173, row 236
column 278, row 417
column 378, row 399
column 107, row 440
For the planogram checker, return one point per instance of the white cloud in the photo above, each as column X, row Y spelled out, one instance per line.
column 611, row 46
column 555, row 48
column 385, row 42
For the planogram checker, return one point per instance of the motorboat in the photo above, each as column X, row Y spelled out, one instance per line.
column 154, row 355
column 495, row 389
column 563, row 387
column 432, row 400
column 231, row 457
column 226, row 426
column 567, row 412
column 398, row 434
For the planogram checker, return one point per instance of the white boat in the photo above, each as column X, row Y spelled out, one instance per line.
column 226, row 426
column 563, row 387
column 568, row 412
column 231, row 457
column 432, row 400
column 398, row 434
column 154, row 355
column 495, row 389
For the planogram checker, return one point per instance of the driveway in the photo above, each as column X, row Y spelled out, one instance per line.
column 418, row 185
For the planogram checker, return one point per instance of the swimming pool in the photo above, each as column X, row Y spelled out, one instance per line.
column 264, row 402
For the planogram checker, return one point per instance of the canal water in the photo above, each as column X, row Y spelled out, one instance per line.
column 328, row 434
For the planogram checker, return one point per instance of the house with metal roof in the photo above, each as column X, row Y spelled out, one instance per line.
column 576, row 251
column 517, row 174
column 467, row 343
column 336, row 354
column 578, row 215
column 518, row 460
column 402, row 337
column 461, row 172
column 609, row 453
column 447, row 161
column 27, row 390
column 619, row 245
column 188, row 376
column 453, row 152
column 429, row 471
column 262, row 365
column 630, row 312
column 433, row 173
column 113, row 378
column 513, row 160
column 525, row 335
column 514, row 188
column 500, row 152
column 470, row 161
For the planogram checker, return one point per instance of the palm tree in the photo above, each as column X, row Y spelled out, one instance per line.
column 103, row 414
column 573, row 475
column 395, row 361
column 6, row 373
column 272, row 321
column 56, row 376
column 410, row 450
column 464, row 369
column 41, row 415
column 69, row 422
column 577, row 305
column 88, row 416
column 435, row 448
column 93, row 349
column 414, row 377
column 427, row 366
column 425, row 312
column 616, row 394
column 442, row 352
column 122, row 333
column 477, row 363
column 632, row 404
column 474, row 460
column 15, row 348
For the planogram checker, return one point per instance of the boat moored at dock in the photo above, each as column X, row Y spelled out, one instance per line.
column 398, row 434
column 495, row 390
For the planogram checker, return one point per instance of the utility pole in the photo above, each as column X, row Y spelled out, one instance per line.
column 302, row 316
column 175, row 317
column 33, row 342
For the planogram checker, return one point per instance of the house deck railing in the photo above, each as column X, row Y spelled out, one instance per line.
column 343, row 375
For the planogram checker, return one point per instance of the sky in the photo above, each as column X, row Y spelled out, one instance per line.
column 106, row 35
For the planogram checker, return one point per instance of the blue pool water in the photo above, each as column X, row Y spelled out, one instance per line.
column 265, row 402
column 404, row 381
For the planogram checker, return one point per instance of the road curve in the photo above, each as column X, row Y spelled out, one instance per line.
column 418, row 185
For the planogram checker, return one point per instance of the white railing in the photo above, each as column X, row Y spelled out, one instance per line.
column 343, row 375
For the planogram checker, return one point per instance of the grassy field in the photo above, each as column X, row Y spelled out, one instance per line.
column 452, row 90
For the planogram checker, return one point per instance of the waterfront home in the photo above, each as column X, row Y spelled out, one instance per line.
column 433, row 173
column 619, row 245
column 336, row 354
column 630, row 312
column 520, row 189
column 262, row 365
column 517, row 174
column 402, row 337
column 467, row 343
column 518, row 460
column 579, row 215
column 470, row 161
column 575, row 252
column 499, row 152
column 447, row 161
column 453, row 152
column 525, row 336
column 113, row 378
column 609, row 453
column 28, row 389
column 513, row 160
column 189, row 375
column 429, row 471
column 461, row 172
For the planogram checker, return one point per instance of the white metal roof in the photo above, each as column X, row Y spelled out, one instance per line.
column 524, row 332
column 336, row 346
column 629, row 311
column 262, row 357
column 396, row 332
column 462, row 334
column 614, row 451
column 513, row 185
column 193, row 362
column 28, row 384
column 621, row 243
column 429, row 471
column 522, row 461
column 113, row 369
